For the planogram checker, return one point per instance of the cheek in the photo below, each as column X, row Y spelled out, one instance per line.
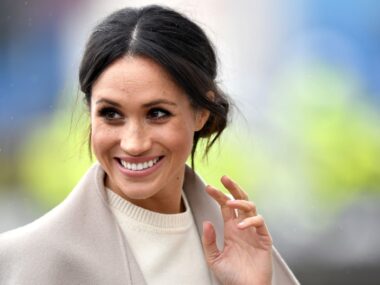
column 96, row 143
column 102, row 138
column 180, row 140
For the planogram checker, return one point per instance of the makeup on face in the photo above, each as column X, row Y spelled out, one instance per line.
column 142, row 130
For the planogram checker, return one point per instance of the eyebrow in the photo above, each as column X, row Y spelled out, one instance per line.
column 146, row 105
column 159, row 101
column 103, row 100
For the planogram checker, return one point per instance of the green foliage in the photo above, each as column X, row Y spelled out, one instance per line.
column 229, row 157
column 338, row 131
column 54, row 158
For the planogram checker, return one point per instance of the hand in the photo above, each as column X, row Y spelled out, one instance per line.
column 247, row 254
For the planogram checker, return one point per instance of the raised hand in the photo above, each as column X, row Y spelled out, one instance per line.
column 247, row 254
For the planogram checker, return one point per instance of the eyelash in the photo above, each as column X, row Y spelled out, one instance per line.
column 153, row 114
column 112, row 114
column 109, row 114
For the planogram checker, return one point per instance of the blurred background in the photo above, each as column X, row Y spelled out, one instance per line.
column 304, row 140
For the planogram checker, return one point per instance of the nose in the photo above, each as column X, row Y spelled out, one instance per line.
column 135, row 139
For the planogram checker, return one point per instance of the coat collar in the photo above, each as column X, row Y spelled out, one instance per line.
column 202, row 206
column 86, row 220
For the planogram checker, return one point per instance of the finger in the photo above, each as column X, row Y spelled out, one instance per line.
column 236, row 192
column 218, row 196
column 246, row 208
column 234, row 188
column 257, row 222
column 221, row 199
column 209, row 243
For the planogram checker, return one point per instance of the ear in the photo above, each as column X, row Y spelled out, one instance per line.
column 202, row 115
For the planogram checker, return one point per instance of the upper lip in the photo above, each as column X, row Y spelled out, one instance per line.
column 139, row 159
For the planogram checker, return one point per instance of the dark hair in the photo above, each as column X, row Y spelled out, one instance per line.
column 173, row 41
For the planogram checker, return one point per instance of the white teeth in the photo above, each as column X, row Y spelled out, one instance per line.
column 138, row 166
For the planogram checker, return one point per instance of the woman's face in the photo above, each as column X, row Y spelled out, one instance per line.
column 142, row 127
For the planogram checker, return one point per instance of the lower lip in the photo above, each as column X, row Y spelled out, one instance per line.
column 140, row 173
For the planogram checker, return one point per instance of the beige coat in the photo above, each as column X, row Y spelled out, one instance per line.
column 79, row 242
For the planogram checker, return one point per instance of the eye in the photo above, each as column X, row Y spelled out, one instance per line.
column 109, row 114
column 158, row 114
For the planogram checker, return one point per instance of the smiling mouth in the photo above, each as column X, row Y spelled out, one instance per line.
column 139, row 166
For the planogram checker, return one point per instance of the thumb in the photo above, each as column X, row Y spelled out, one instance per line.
column 209, row 242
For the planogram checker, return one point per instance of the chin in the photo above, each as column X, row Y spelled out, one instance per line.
column 137, row 191
column 139, row 194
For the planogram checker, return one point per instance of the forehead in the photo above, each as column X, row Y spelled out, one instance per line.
column 137, row 78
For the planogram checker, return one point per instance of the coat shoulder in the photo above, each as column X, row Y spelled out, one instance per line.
column 23, row 253
column 33, row 254
column 66, row 245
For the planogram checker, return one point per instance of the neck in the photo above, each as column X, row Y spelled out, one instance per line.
column 170, row 205
column 165, row 201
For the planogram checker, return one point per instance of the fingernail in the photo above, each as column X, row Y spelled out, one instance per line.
column 241, row 224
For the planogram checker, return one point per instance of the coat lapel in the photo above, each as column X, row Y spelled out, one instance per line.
column 110, row 245
column 99, row 232
column 202, row 206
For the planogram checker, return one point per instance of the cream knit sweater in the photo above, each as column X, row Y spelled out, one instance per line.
column 166, row 246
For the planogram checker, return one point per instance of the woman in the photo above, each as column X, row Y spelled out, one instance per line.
column 140, row 215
